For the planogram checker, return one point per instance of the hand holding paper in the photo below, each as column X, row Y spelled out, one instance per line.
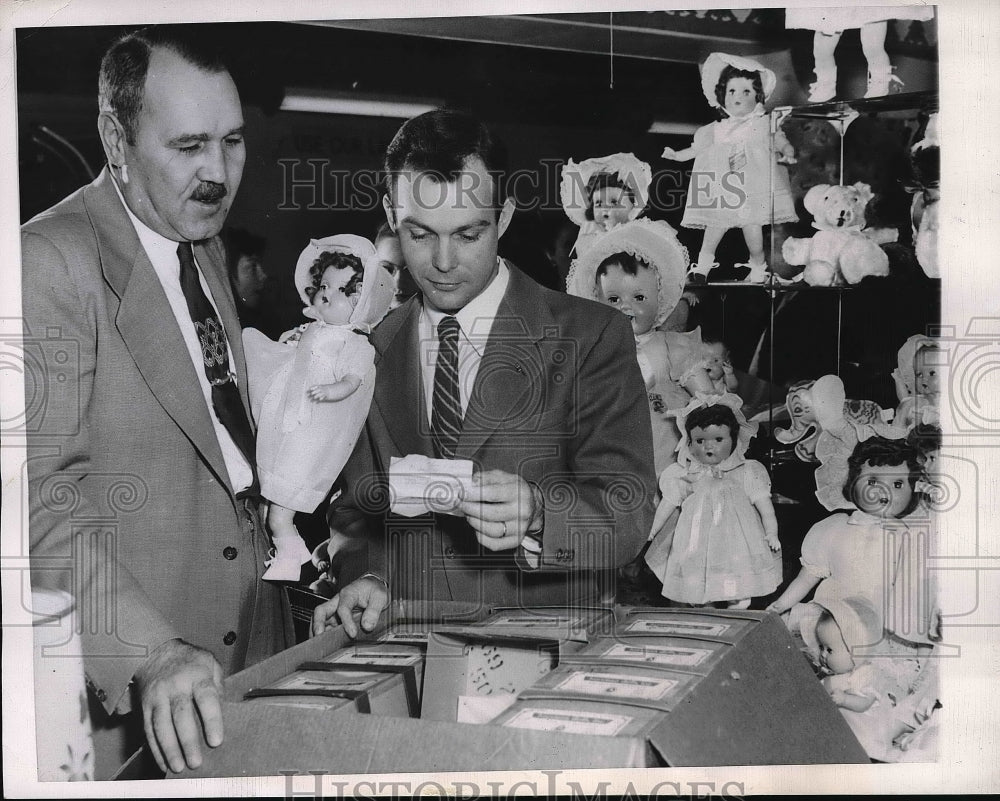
column 500, row 507
column 419, row 484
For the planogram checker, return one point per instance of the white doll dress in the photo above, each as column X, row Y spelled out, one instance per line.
column 302, row 445
column 842, row 18
column 718, row 551
column 735, row 177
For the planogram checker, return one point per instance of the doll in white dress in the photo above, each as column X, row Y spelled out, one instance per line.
column 737, row 181
column 918, row 383
column 638, row 268
column 310, row 392
column 603, row 192
column 830, row 24
column 724, row 546
column 886, row 689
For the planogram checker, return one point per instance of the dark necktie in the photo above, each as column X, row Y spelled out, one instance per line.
column 446, row 406
column 212, row 337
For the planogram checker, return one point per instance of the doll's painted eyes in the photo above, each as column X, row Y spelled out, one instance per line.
column 640, row 298
column 613, row 299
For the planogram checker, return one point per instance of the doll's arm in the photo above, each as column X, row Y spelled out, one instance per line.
column 696, row 379
column 336, row 391
column 729, row 376
column 767, row 517
column 848, row 700
column 783, row 148
column 702, row 139
column 796, row 591
column 686, row 154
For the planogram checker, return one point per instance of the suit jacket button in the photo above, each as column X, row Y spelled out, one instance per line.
column 570, row 555
column 230, row 638
column 560, row 555
column 449, row 552
column 230, row 552
column 102, row 696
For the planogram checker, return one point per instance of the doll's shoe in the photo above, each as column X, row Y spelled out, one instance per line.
column 698, row 274
column 880, row 81
column 823, row 89
column 758, row 273
column 290, row 553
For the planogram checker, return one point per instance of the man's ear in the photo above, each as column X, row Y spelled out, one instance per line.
column 506, row 212
column 390, row 212
column 112, row 138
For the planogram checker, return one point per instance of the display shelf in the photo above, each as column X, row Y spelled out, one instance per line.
column 838, row 109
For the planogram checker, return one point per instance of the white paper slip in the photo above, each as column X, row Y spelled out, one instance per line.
column 483, row 708
column 617, row 684
column 534, row 621
column 661, row 655
column 568, row 721
column 419, row 484
column 375, row 658
column 676, row 627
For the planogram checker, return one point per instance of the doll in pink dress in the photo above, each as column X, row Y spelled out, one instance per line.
column 310, row 392
column 737, row 181
column 638, row 268
column 724, row 546
column 603, row 192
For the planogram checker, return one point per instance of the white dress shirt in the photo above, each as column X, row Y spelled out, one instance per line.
column 162, row 253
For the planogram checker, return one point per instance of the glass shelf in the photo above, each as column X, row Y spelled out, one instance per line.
column 839, row 109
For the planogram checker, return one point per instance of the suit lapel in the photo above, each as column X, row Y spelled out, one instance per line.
column 504, row 391
column 399, row 391
column 147, row 324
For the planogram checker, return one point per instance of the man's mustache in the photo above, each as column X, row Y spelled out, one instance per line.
column 209, row 192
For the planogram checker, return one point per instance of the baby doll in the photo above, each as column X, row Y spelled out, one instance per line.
column 311, row 391
column 638, row 268
column 918, row 382
column 830, row 24
column 725, row 544
column 736, row 181
column 884, row 697
column 872, row 551
column 603, row 192
column 720, row 369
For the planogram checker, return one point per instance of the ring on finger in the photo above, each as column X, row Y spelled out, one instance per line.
column 504, row 524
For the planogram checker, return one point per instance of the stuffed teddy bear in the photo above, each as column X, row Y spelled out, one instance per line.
column 842, row 250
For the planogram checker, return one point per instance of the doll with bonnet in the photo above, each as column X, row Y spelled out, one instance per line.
column 724, row 545
column 603, row 192
column 918, row 383
column 310, row 392
column 638, row 268
column 736, row 181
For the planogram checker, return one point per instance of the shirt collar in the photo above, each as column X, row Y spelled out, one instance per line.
column 161, row 251
column 476, row 317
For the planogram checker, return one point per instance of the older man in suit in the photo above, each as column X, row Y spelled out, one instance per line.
column 541, row 391
column 129, row 270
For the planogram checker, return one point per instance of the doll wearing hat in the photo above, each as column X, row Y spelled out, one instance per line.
column 736, row 181
column 310, row 392
column 638, row 268
column 886, row 691
column 603, row 192
column 724, row 545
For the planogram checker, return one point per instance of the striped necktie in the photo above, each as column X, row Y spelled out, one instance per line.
column 212, row 336
column 446, row 405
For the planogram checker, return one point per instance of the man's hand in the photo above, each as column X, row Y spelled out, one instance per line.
column 174, row 682
column 500, row 507
column 366, row 593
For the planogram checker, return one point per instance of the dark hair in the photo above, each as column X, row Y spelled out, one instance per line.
column 925, row 439
column 881, row 452
column 728, row 73
column 629, row 264
column 439, row 143
column 122, row 79
column 240, row 242
column 604, row 180
column 384, row 231
column 717, row 414
column 339, row 261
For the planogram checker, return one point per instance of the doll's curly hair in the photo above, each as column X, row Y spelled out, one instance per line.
column 728, row 73
column 715, row 415
column 881, row 452
column 340, row 261
column 628, row 263
column 604, row 180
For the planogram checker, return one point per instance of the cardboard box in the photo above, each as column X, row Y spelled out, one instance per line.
column 752, row 700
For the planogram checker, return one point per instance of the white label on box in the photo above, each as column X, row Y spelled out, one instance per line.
column 376, row 658
column 534, row 620
column 568, row 721
column 405, row 636
column 617, row 684
column 660, row 654
column 677, row 627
